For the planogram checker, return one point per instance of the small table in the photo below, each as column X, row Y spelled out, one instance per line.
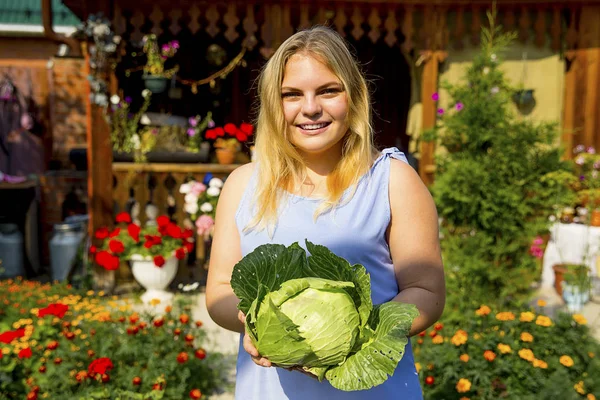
column 570, row 243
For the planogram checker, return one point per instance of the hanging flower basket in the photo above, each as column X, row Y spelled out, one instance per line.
column 155, row 83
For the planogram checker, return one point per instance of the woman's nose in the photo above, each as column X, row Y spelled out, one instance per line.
column 311, row 106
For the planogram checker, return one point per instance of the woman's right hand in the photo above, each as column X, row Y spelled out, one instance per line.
column 249, row 347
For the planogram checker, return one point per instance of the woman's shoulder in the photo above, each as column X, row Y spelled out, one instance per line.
column 236, row 183
column 242, row 173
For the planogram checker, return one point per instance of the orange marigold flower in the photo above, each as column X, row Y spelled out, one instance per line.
column 464, row 398
column 527, row 316
column 464, row 357
column 543, row 321
column 504, row 348
column 579, row 387
column 483, row 311
column 526, row 337
column 566, row 361
column 463, row 385
column 526, row 354
column 539, row 363
column 459, row 338
column 439, row 339
column 489, row 355
column 591, row 355
column 580, row 319
column 168, row 309
column 505, row 316
column 184, row 318
column 591, row 397
column 541, row 303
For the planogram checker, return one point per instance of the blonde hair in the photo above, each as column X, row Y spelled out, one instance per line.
column 280, row 164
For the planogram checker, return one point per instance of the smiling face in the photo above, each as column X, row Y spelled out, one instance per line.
column 315, row 106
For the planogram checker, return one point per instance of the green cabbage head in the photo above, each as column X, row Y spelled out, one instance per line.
column 315, row 312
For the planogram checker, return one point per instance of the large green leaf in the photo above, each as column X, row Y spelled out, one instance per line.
column 278, row 337
column 323, row 263
column 269, row 265
column 378, row 359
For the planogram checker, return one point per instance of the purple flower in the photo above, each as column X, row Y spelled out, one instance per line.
column 582, row 178
column 435, row 96
column 193, row 121
column 128, row 100
column 211, row 124
column 591, row 150
column 175, row 44
column 191, row 132
column 579, row 148
column 165, row 48
column 459, row 106
column 440, row 111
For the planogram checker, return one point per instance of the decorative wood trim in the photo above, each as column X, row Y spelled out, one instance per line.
column 475, row 25
column 374, row 23
column 137, row 21
column 524, row 25
column 175, row 16
column 119, row 21
column 250, row 28
column 212, row 16
column 408, row 30
column 174, row 168
column 459, row 29
column 194, row 24
column 231, row 21
column 287, row 29
column 340, row 20
column 391, row 24
column 540, row 28
column 357, row 20
column 556, row 29
column 156, row 18
column 304, row 18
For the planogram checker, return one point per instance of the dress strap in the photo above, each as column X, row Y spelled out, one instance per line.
column 393, row 152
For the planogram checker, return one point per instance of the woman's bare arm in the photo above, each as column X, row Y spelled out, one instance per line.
column 414, row 245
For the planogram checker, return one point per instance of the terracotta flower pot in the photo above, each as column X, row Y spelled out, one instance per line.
column 595, row 221
column 559, row 276
column 225, row 156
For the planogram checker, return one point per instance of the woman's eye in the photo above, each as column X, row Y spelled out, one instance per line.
column 289, row 95
column 331, row 91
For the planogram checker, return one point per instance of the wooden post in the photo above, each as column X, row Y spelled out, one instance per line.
column 100, row 179
column 429, row 86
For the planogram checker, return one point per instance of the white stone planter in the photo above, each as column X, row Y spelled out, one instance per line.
column 152, row 278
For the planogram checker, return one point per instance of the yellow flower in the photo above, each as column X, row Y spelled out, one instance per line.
column 5, row 350
column 418, row 367
column 40, row 322
column 504, row 348
column 438, row 339
column 541, row 303
column 526, row 337
column 463, row 385
column 591, row 355
column 101, row 293
column 502, row 333
column 459, row 338
column 505, row 316
column 591, row 397
column 527, row 316
column 154, row 302
column 477, row 336
column 89, row 293
column 580, row 319
column 543, row 321
column 464, row 357
column 566, row 361
column 483, row 311
column 489, row 355
column 579, row 387
column 539, row 364
column 526, row 354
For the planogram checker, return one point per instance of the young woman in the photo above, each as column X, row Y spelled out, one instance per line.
column 318, row 177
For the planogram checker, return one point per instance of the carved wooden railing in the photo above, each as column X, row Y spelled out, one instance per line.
column 136, row 185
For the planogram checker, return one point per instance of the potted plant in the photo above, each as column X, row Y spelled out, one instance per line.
column 228, row 140
column 155, row 75
column 574, row 284
column 153, row 252
column 124, row 123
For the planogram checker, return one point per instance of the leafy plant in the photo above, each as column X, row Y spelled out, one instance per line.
column 316, row 313
column 496, row 184
column 155, row 63
column 124, row 123
column 523, row 355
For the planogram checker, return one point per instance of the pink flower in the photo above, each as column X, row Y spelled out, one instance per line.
column 538, row 240
column 440, row 111
column 191, row 132
column 204, row 223
column 198, row 188
column 435, row 96
column 193, row 121
column 459, row 106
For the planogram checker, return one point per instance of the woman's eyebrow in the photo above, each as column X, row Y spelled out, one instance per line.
column 328, row 84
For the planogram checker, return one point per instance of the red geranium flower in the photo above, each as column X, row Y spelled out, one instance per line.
column 163, row 220
column 200, row 354
column 230, row 128
column 107, row 260
column 123, row 217
column 115, row 232
column 187, row 233
column 134, row 232
column 180, row 253
column 241, row 136
column 9, row 336
column 101, row 233
column 429, row 380
column 189, row 247
column 210, row 134
column 137, row 381
column 247, row 128
column 93, row 249
column 219, row 131
column 174, row 231
column 116, row 246
column 100, row 366
column 159, row 261
column 195, row 394
column 52, row 345
column 25, row 353
column 56, row 309
column 158, row 322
